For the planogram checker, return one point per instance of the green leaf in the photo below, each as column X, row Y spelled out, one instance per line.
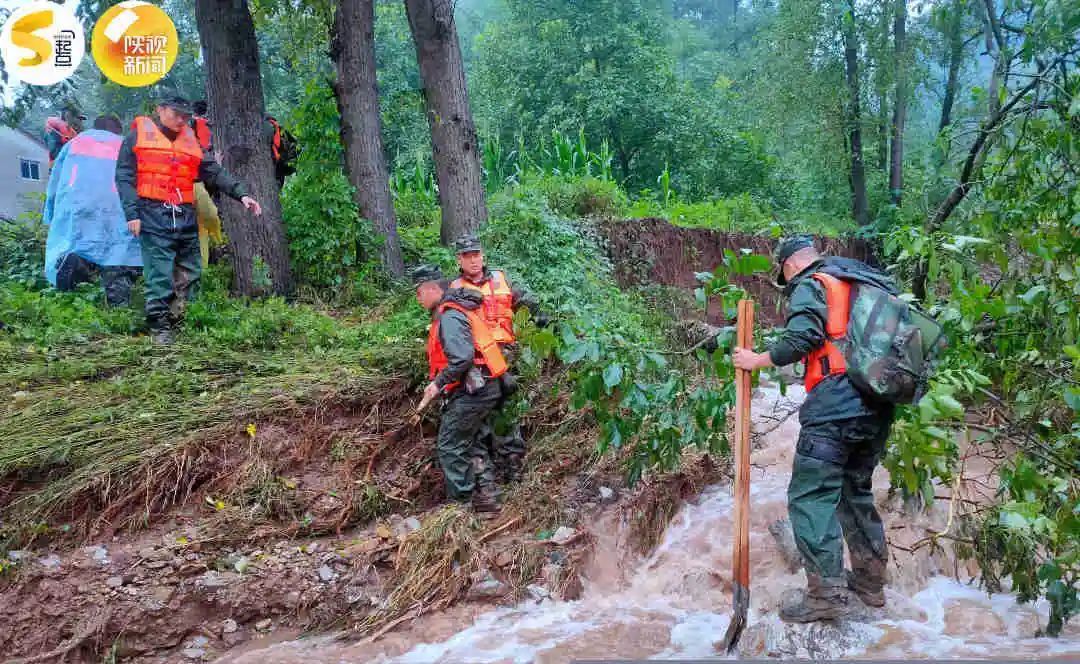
column 613, row 375
column 1072, row 398
column 1032, row 293
column 950, row 406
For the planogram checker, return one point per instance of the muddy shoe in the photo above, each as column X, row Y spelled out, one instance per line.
column 870, row 591
column 162, row 337
column 484, row 502
column 823, row 599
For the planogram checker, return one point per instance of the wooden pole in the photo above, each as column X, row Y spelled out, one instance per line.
column 744, row 338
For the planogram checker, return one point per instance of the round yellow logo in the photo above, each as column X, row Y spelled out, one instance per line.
column 42, row 43
column 134, row 43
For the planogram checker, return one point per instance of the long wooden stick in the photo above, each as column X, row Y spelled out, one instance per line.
column 744, row 338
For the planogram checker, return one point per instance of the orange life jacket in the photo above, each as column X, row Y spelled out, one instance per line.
column 498, row 304
column 828, row 360
column 275, row 143
column 166, row 170
column 487, row 349
column 62, row 129
column 57, row 125
column 202, row 131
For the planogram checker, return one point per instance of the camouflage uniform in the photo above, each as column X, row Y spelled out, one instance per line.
column 464, row 457
column 503, row 436
column 841, row 442
column 172, row 263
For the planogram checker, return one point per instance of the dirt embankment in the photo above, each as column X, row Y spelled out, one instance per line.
column 332, row 519
column 652, row 251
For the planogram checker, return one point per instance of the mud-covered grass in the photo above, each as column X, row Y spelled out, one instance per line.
column 106, row 431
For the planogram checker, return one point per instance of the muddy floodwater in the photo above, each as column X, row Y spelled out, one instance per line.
column 676, row 603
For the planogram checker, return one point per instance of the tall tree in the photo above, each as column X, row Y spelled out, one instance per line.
column 352, row 48
column 954, row 39
column 237, row 109
column 453, row 133
column 860, row 209
column 900, row 102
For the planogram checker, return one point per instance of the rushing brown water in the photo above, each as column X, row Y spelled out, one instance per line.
column 676, row 603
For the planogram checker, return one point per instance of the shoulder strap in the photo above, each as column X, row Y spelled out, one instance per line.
column 837, row 301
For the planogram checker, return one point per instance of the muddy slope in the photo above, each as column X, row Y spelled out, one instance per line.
column 652, row 251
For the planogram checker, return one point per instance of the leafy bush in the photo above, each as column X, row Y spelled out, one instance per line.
column 22, row 250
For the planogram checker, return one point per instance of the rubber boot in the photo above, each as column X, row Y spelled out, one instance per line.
column 823, row 599
column 485, row 501
column 161, row 332
column 867, row 578
column 515, row 468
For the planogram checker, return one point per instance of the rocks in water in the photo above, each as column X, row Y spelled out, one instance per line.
column 193, row 653
column 486, row 587
column 264, row 625
column 821, row 640
column 538, row 593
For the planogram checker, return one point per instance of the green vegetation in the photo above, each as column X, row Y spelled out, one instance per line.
column 947, row 137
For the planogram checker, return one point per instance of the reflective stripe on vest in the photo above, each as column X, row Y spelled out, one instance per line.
column 88, row 146
column 828, row 360
column 498, row 304
column 202, row 132
column 487, row 349
column 275, row 142
column 165, row 170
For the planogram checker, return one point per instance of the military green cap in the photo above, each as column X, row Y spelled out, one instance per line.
column 467, row 243
column 785, row 248
column 425, row 273
column 177, row 103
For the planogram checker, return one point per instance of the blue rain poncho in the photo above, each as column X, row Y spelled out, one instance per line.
column 83, row 209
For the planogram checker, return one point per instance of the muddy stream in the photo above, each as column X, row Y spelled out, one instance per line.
column 676, row 603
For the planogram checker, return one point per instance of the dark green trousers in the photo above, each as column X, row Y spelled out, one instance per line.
column 172, row 266
column 465, row 461
column 830, row 498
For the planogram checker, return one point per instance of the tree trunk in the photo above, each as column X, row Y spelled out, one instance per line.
column 235, row 96
column 883, row 131
column 453, row 134
column 896, row 160
column 859, row 207
column 352, row 48
column 955, row 40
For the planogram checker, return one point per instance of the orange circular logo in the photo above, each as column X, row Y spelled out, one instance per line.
column 134, row 43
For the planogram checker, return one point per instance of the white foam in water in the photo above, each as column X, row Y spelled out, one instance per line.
column 677, row 603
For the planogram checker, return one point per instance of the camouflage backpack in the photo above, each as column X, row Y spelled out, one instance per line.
column 890, row 346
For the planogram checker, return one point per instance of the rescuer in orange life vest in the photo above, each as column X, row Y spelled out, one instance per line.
column 60, row 130
column 842, row 438
column 465, row 363
column 501, row 300
column 159, row 162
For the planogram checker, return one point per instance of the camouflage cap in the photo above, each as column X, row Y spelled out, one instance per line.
column 177, row 103
column 785, row 248
column 467, row 243
column 425, row 273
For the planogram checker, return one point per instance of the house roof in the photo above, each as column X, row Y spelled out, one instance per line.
column 36, row 139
